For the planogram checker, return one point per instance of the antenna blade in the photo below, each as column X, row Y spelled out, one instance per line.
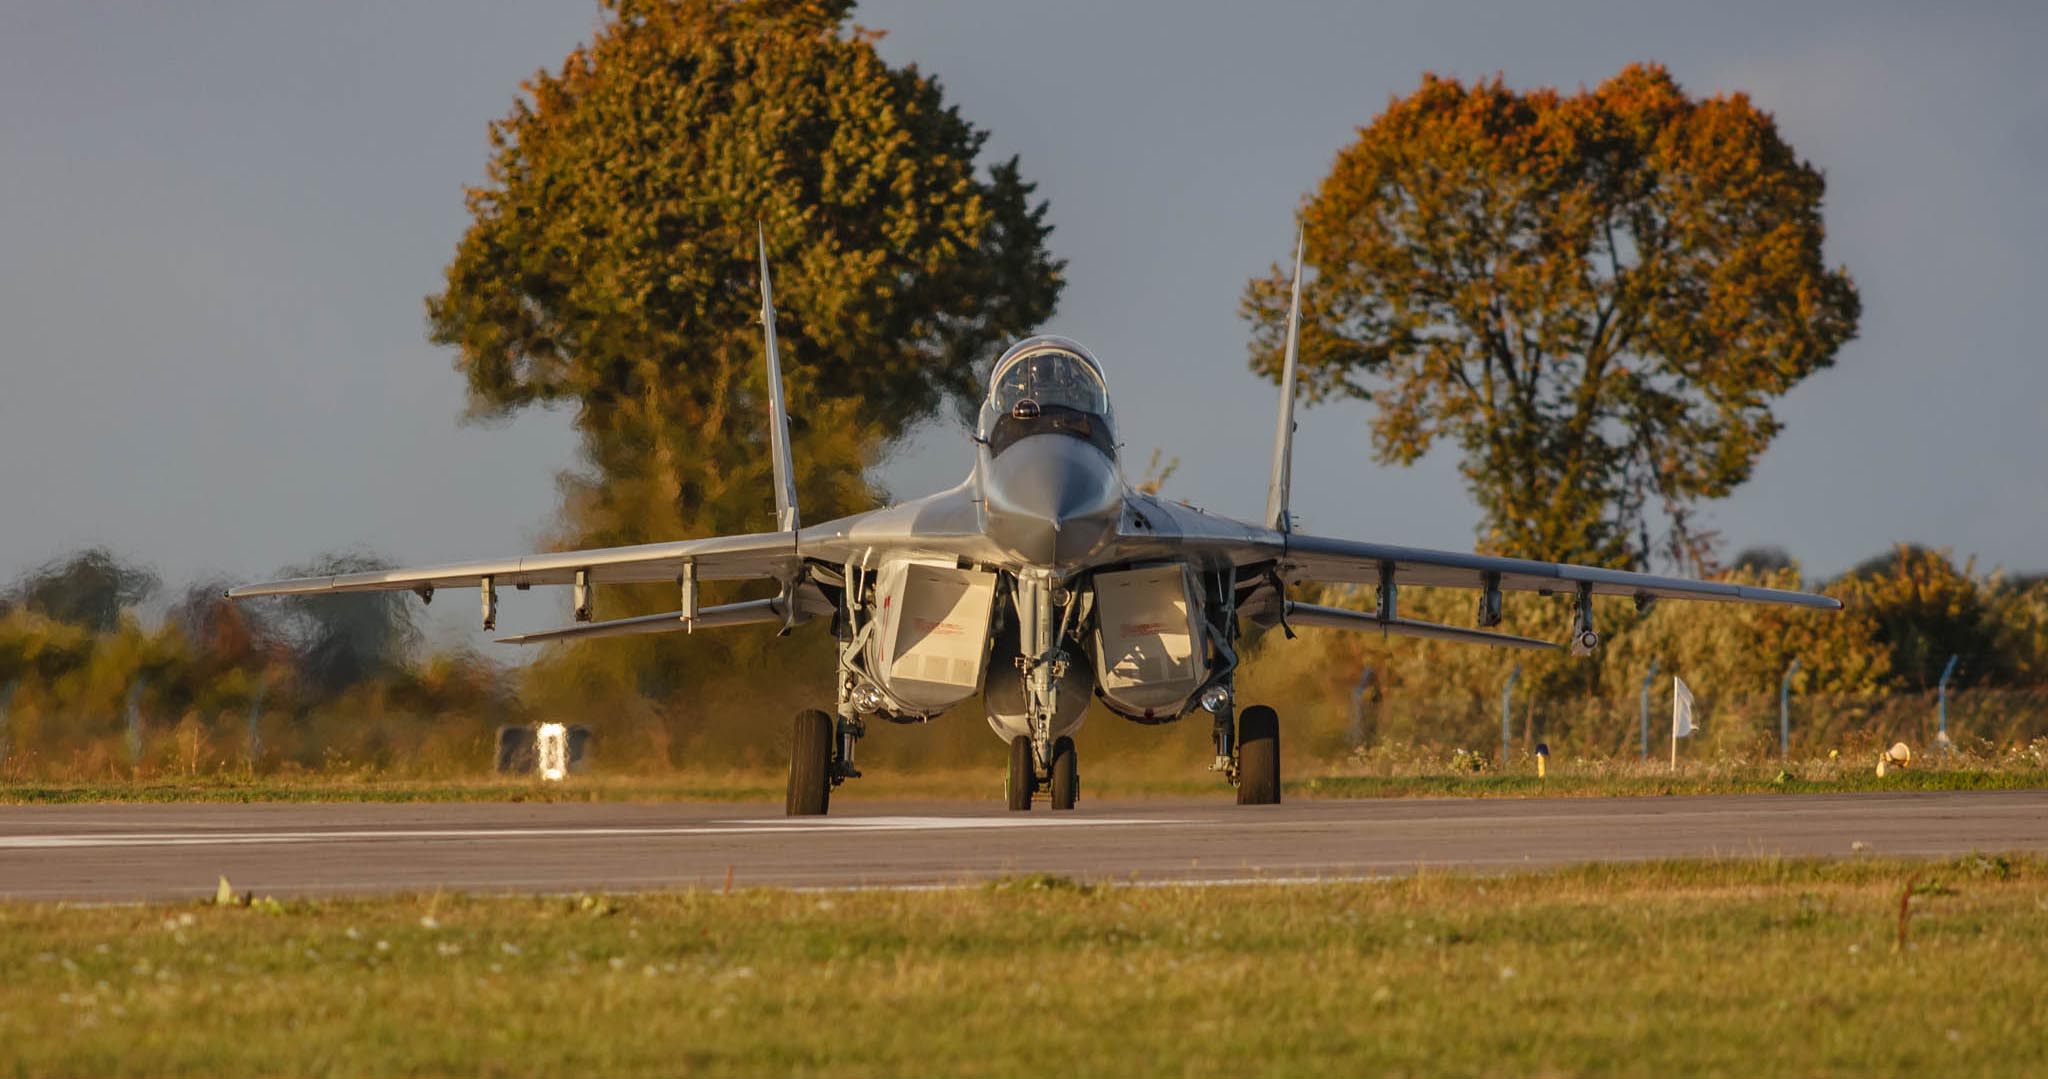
column 1283, row 439
column 786, row 519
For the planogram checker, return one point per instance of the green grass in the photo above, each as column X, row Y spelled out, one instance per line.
column 1106, row 781
column 1698, row 968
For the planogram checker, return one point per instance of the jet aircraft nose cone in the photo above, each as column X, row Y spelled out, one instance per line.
column 1052, row 499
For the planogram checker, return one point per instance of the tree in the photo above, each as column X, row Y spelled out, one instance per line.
column 611, row 262
column 1597, row 297
column 89, row 588
column 350, row 637
column 1925, row 608
column 1766, row 559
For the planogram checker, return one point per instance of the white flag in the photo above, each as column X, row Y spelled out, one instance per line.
column 1681, row 708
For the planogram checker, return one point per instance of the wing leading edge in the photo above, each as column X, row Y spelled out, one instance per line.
column 1335, row 561
column 721, row 558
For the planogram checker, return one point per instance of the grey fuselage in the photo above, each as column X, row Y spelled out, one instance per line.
column 1043, row 516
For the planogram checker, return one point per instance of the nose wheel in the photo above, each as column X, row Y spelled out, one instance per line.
column 1061, row 779
column 1066, row 774
column 1023, row 781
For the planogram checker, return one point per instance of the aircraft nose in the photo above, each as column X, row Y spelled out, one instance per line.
column 1053, row 499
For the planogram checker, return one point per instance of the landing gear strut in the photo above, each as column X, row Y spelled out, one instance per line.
column 1046, row 615
column 821, row 748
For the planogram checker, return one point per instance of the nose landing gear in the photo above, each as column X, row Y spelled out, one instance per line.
column 1061, row 778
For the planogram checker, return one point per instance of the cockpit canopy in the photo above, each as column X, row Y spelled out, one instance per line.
column 1047, row 385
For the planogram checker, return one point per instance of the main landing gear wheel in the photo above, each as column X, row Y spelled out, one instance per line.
column 1258, row 756
column 1066, row 774
column 810, row 765
column 1023, row 781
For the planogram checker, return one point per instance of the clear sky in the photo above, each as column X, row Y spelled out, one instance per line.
column 217, row 223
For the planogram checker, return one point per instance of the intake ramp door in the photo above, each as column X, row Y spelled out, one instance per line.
column 931, row 636
column 1150, row 650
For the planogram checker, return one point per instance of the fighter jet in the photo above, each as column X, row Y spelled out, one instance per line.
column 1041, row 583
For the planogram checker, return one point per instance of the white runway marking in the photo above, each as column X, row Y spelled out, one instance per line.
column 778, row 826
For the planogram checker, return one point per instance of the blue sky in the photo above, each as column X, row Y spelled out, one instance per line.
column 217, row 223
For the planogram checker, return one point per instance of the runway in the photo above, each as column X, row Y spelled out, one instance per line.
column 155, row 851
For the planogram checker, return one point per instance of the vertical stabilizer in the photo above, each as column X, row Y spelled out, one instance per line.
column 1283, row 439
column 778, row 413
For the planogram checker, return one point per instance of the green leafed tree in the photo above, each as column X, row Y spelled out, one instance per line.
column 1596, row 297
column 611, row 268
column 88, row 588
column 611, row 262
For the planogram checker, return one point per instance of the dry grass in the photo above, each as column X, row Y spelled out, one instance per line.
column 1119, row 777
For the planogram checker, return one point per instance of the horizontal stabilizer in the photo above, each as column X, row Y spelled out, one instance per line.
column 752, row 612
column 1311, row 614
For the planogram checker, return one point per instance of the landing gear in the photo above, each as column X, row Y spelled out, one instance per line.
column 810, row 765
column 1258, row 756
column 1023, row 781
column 1066, row 774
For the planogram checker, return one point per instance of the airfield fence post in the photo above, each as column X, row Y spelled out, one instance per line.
column 1645, row 709
column 6, row 709
column 1941, row 693
column 1507, row 693
column 1785, row 712
column 256, row 725
column 134, row 715
column 1357, row 732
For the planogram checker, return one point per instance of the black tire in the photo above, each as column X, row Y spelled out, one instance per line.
column 810, row 765
column 1023, row 781
column 1258, row 756
column 516, row 754
column 1066, row 774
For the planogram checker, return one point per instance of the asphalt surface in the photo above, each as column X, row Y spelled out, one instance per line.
column 121, row 852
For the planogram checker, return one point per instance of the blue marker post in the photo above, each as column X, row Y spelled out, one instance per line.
column 1785, row 711
column 1647, row 679
column 1941, row 738
column 1507, row 693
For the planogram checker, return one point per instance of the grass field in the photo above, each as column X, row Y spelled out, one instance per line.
column 1584, row 781
column 1734, row 968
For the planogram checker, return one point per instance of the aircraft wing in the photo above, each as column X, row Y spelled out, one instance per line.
column 1336, row 561
column 721, row 558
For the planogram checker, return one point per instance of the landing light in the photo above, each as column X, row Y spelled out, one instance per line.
column 867, row 698
column 1216, row 698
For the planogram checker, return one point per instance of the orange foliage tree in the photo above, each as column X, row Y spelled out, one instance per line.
column 1595, row 296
